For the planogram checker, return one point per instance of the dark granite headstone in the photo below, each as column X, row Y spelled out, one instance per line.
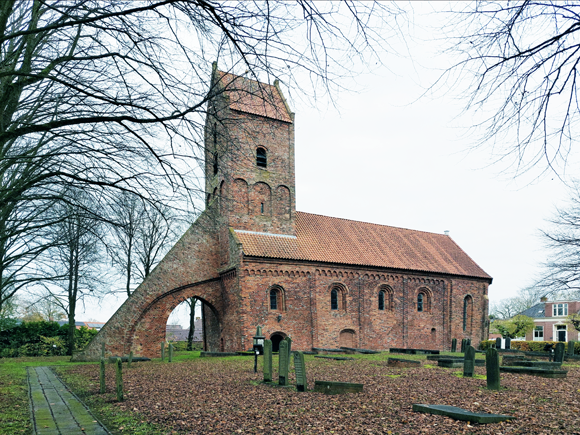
column 300, row 369
column 571, row 348
column 492, row 368
column 498, row 343
column 463, row 341
column 559, row 352
column 162, row 351
column 461, row 414
column 469, row 362
column 508, row 343
column 283, row 363
column 454, row 345
column 267, row 360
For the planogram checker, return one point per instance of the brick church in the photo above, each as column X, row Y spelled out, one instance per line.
column 254, row 260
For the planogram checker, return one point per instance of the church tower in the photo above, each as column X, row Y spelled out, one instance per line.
column 249, row 156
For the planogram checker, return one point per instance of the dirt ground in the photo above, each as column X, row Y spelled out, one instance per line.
column 225, row 396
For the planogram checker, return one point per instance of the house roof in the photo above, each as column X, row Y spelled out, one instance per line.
column 538, row 310
column 251, row 96
column 334, row 240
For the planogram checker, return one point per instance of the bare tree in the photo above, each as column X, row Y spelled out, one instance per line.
column 108, row 96
column 42, row 307
column 192, row 302
column 510, row 307
column 76, row 257
column 522, row 59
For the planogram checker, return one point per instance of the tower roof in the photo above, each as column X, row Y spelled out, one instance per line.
column 256, row 98
column 334, row 240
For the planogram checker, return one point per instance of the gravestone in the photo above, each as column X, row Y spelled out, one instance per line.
column 469, row 362
column 119, row 380
column 508, row 343
column 559, row 352
column 170, row 359
column 102, row 376
column 454, row 345
column 468, row 342
column 267, row 360
column 492, row 368
column 289, row 341
column 571, row 348
column 162, row 351
column 463, row 345
column 498, row 343
column 283, row 363
column 130, row 360
column 300, row 368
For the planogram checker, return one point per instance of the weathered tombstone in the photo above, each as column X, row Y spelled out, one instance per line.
column 162, row 351
column 571, row 348
column 469, row 362
column 454, row 345
column 498, row 343
column 119, row 380
column 102, row 376
column 283, row 363
column 463, row 345
column 289, row 341
column 508, row 343
column 559, row 352
column 130, row 360
column 300, row 368
column 492, row 368
column 267, row 360
column 170, row 359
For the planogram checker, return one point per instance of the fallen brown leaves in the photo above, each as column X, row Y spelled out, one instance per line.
column 217, row 396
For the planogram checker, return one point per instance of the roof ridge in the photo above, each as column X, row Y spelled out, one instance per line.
column 378, row 225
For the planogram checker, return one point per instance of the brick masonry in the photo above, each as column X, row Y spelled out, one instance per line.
column 208, row 262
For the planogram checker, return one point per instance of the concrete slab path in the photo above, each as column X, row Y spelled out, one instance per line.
column 55, row 410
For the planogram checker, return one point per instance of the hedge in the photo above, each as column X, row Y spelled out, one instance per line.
column 41, row 339
column 530, row 346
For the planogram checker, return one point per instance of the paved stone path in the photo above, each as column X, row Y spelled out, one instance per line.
column 55, row 410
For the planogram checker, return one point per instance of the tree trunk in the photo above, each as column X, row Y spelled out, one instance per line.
column 192, row 303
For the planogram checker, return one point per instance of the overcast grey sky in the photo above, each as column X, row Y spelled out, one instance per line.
column 389, row 156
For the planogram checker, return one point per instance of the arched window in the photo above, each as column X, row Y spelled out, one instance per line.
column 385, row 298
column 424, row 300
column 261, row 158
column 338, row 298
column 467, row 313
column 334, row 299
column 276, row 299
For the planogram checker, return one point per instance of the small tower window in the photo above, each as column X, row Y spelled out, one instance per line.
column 262, row 208
column 215, row 163
column 420, row 302
column 273, row 299
column 261, row 158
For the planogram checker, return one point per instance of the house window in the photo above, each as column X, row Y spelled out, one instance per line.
column 382, row 300
column 261, row 158
column 276, row 299
column 560, row 310
column 539, row 333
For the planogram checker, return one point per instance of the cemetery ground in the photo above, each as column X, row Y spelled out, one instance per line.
column 224, row 396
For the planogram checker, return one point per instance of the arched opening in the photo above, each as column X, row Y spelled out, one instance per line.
column 261, row 158
column 347, row 338
column 433, row 335
column 423, row 301
column 276, row 299
column 185, row 324
column 467, row 313
column 338, row 297
column 276, row 338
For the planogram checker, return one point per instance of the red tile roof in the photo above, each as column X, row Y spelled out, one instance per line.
column 250, row 96
column 333, row 240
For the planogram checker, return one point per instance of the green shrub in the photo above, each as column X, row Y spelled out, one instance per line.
column 529, row 346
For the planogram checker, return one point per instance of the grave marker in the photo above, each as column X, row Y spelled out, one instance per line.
column 162, row 351
column 283, row 363
column 498, row 343
column 571, row 348
column 119, row 380
column 508, row 343
column 289, row 341
column 267, row 360
column 102, row 377
column 492, row 368
column 469, row 362
column 463, row 345
column 300, row 368
column 454, row 345
column 130, row 360
column 559, row 352
column 170, row 359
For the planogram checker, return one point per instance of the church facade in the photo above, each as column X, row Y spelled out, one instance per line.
column 254, row 260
